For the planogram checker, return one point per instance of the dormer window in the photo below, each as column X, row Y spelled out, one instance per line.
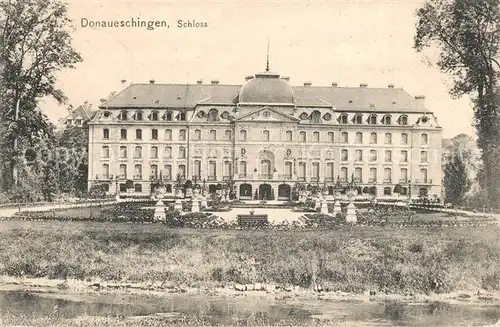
column 424, row 119
column 154, row 115
column 372, row 119
column 213, row 115
column 358, row 119
column 138, row 115
column 315, row 117
column 181, row 116
column 386, row 120
column 303, row 116
column 168, row 116
column 123, row 115
column 403, row 120
column 343, row 119
column 327, row 116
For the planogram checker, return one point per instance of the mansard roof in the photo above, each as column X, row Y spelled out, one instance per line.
column 340, row 98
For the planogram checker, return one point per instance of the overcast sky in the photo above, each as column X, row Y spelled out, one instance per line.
column 349, row 42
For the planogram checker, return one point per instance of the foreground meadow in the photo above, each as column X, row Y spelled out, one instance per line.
column 349, row 259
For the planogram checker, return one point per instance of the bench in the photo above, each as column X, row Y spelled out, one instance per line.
column 252, row 220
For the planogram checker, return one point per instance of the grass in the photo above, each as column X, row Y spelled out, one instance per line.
column 351, row 259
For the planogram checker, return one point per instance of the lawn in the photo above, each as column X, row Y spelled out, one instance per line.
column 347, row 258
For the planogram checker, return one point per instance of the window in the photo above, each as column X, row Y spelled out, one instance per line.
column 424, row 139
column 168, row 171
column 182, row 152
column 358, row 175
column 423, row 156
column 213, row 115
column 138, row 172
column 387, row 175
column 403, row 177
column 373, row 155
column 373, row 175
column 288, row 169
column 344, row 155
column 227, row 134
column 388, row 138
column 315, row 117
column 404, row 138
column 154, row 170
column 343, row 119
column 265, row 135
column 329, row 171
column 182, row 135
column 138, row 115
column 168, row 135
column 105, row 170
column 181, row 171
column 181, row 116
column 197, row 134
column 213, row 134
column 123, row 134
column 123, row 115
column 372, row 119
column 154, row 152
column 315, row 171
column 404, row 156
column 243, row 169
column 315, row 136
column 289, row 136
column 243, row 135
column 212, row 170
column 423, row 175
column 154, row 115
column 358, row 119
column 388, row 156
column 344, row 137
column 373, row 138
column 105, row 134
column 105, row 187
column 359, row 137
column 154, row 134
column 138, row 134
column 105, row 151
column 137, row 187
column 168, row 152
column 403, row 120
column 197, row 169
column 123, row 171
column 138, row 152
column 359, row 155
column 123, row 152
column 386, row 120
column 302, row 136
column 387, row 191
column 265, row 167
column 331, row 137
column 302, row 170
column 343, row 174
column 168, row 116
column 227, row 169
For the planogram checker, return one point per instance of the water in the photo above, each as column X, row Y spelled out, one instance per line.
column 219, row 310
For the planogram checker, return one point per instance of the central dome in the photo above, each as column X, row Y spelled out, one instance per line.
column 266, row 87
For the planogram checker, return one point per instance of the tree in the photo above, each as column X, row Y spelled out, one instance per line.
column 36, row 44
column 467, row 33
column 50, row 185
column 73, row 166
column 456, row 178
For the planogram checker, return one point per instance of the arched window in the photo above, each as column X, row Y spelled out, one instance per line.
column 154, row 152
column 315, row 117
column 386, row 120
column 227, row 134
column 315, row 136
column 213, row 134
column 358, row 119
column 372, row 119
column 154, row 115
column 403, row 120
column 105, row 151
column 105, row 170
column 404, row 138
column 197, row 134
column 123, row 134
column 168, row 135
column 388, row 138
column 168, row 152
column 123, row 152
column 343, row 174
column 123, row 115
column 343, row 119
column 168, row 116
column 302, row 136
column 387, row 175
column 213, row 115
column 289, row 136
column 265, row 135
column 154, row 134
column 344, row 137
column 138, row 115
column 424, row 139
column 243, row 135
column 182, row 152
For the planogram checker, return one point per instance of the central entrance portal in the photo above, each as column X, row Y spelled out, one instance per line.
column 284, row 192
column 265, row 192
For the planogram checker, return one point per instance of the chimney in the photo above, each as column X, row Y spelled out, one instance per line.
column 248, row 77
column 363, row 85
column 420, row 97
column 307, row 83
column 334, row 84
column 286, row 78
column 200, row 81
column 151, row 81
column 102, row 100
column 391, row 86
column 215, row 81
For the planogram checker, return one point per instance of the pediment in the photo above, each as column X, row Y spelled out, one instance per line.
column 267, row 114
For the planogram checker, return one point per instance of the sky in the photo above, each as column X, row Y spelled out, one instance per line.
column 348, row 42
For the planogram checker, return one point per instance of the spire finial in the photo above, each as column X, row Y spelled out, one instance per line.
column 267, row 64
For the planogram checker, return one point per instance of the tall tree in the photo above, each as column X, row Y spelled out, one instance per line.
column 467, row 33
column 36, row 44
column 456, row 178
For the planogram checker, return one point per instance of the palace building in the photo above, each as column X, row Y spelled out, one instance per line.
column 266, row 135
